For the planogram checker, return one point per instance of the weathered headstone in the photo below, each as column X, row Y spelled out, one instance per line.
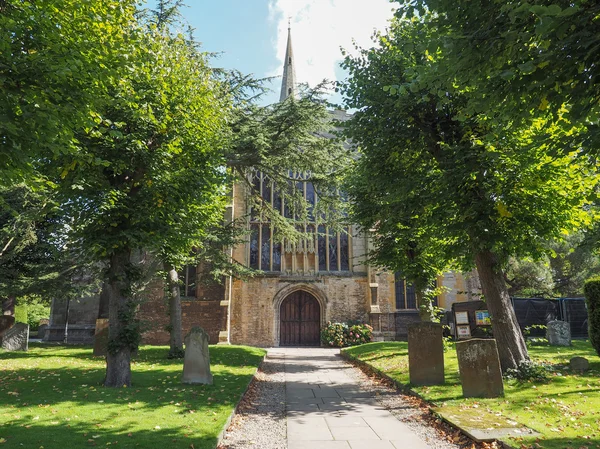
column 6, row 322
column 196, row 362
column 16, row 338
column 558, row 333
column 425, row 354
column 479, row 365
column 101, row 337
column 42, row 329
column 579, row 364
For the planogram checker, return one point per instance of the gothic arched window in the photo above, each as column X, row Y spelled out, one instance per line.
column 323, row 249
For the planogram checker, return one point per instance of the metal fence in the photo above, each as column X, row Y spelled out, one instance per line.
column 538, row 311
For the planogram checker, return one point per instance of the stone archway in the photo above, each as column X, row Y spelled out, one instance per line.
column 299, row 315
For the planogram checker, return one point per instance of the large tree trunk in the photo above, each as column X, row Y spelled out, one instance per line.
column 511, row 345
column 424, row 312
column 118, row 358
column 176, row 337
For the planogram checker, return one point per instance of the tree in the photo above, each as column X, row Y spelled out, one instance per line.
column 35, row 256
column 57, row 59
column 559, row 273
column 486, row 192
column 152, row 161
column 527, row 60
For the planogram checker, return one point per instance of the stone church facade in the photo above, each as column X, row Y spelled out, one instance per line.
column 302, row 286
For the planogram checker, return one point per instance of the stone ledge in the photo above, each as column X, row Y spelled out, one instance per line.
column 494, row 430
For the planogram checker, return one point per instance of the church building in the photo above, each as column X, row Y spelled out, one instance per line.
column 301, row 287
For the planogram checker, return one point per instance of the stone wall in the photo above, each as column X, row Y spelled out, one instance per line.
column 206, row 313
column 82, row 320
column 255, row 303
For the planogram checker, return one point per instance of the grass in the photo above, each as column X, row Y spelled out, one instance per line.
column 52, row 397
column 565, row 410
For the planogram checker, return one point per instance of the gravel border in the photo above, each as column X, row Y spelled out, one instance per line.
column 260, row 421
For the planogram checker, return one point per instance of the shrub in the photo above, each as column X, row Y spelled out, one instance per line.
column 591, row 290
column 334, row 335
column 338, row 335
column 359, row 334
column 21, row 313
column 528, row 371
column 36, row 312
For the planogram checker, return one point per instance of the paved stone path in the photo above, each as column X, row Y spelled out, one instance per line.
column 327, row 409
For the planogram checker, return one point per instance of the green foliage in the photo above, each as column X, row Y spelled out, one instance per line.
column 21, row 315
column 592, row 301
column 454, row 186
column 512, row 56
column 340, row 335
column 334, row 334
column 57, row 59
column 529, row 278
column 35, row 257
column 129, row 335
column 528, row 371
column 36, row 311
column 535, row 341
column 561, row 272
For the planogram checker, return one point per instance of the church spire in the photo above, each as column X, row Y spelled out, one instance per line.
column 288, row 82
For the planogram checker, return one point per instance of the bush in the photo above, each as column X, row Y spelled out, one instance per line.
column 21, row 313
column 528, row 371
column 338, row 335
column 36, row 312
column 591, row 290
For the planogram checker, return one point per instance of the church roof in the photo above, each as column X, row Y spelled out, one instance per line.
column 288, row 82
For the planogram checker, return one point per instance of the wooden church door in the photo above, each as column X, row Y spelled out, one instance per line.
column 300, row 320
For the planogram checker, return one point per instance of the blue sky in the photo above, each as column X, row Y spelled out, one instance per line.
column 250, row 35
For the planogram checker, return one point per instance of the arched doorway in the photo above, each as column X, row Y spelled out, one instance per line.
column 300, row 320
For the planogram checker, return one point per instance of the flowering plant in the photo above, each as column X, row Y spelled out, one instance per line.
column 338, row 335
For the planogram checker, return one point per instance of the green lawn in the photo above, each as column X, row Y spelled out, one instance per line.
column 52, row 397
column 566, row 410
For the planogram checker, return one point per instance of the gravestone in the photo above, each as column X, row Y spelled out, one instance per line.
column 479, row 365
column 579, row 364
column 425, row 354
column 42, row 329
column 196, row 362
column 558, row 333
column 6, row 322
column 16, row 338
column 101, row 337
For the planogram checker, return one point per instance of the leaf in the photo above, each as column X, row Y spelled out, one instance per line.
column 527, row 68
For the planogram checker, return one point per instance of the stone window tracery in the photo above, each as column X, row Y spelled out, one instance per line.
column 323, row 250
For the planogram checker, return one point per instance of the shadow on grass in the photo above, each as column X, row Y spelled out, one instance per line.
column 56, row 399
column 65, row 435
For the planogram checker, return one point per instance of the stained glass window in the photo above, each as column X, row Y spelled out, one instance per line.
column 323, row 251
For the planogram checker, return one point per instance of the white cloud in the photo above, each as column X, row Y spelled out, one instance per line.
column 320, row 28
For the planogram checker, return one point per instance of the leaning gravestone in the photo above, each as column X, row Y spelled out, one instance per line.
column 16, row 338
column 196, row 362
column 6, row 322
column 101, row 337
column 558, row 333
column 479, row 365
column 579, row 364
column 425, row 354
